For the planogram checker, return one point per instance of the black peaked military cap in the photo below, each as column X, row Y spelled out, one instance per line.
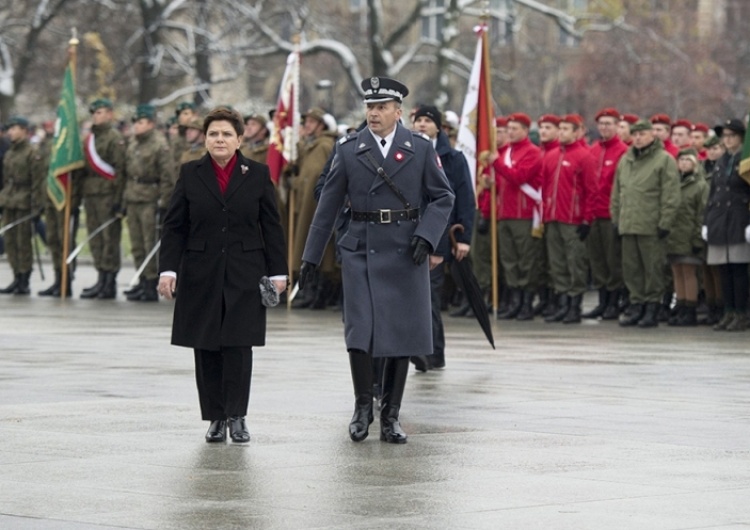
column 734, row 125
column 380, row 89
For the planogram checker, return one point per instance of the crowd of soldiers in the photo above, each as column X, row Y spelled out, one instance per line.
column 622, row 209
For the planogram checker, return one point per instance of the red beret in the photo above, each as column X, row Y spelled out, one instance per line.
column 682, row 123
column 661, row 118
column 501, row 122
column 630, row 118
column 607, row 113
column 549, row 118
column 575, row 119
column 520, row 117
column 702, row 127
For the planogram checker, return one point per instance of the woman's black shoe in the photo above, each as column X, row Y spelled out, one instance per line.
column 238, row 430
column 217, row 431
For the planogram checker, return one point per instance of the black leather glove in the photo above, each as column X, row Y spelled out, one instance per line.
column 583, row 231
column 662, row 233
column 421, row 248
column 306, row 273
column 118, row 210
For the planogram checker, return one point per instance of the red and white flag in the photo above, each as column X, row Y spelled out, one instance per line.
column 476, row 129
column 282, row 147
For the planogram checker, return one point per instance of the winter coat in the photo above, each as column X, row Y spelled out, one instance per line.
column 646, row 193
column 568, row 179
column 607, row 154
column 387, row 309
column 727, row 209
column 686, row 230
column 220, row 245
column 525, row 164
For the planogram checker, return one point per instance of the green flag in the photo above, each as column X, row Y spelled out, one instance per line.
column 67, row 154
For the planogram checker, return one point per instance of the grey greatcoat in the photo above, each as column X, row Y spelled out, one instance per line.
column 386, row 296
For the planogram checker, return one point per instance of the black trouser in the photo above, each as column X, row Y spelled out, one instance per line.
column 223, row 379
column 437, row 277
column 735, row 283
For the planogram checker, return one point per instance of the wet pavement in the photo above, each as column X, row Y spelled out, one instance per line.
column 585, row 426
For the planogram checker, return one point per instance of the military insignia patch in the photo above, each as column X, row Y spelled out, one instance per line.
column 399, row 156
column 362, row 145
column 407, row 144
column 375, row 83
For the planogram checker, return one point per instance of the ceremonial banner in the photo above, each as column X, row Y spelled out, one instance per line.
column 745, row 160
column 67, row 154
column 476, row 130
column 282, row 147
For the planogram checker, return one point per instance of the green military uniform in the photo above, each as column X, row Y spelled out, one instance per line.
column 685, row 238
column 102, row 199
column 195, row 150
column 150, row 177
column 645, row 198
column 257, row 151
column 21, row 195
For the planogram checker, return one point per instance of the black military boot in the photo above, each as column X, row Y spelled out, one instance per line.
column 93, row 291
column 23, row 283
column 514, row 306
column 650, row 316
column 573, row 316
column 544, row 298
column 362, row 375
column 149, row 291
column 664, row 310
column 563, row 305
column 601, row 306
column 134, row 294
column 394, row 382
column 54, row 289
column 632, row 315
column 461, row 311
column 689, row 315
column 677, row 313
column 527, row 306
column 551, row 307
column 11, row 288
column 624, row 301
column 109, row 289
column 612, row 311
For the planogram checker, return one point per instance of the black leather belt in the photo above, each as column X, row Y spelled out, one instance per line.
column 386, row 216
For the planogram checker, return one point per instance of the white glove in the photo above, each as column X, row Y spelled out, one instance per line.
column 704, row 232
column 747, row 233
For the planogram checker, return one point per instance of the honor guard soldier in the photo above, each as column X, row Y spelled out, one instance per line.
column 20, row 198
column 255, row 138
column 196, row 142
column 184, row 114
column 102, row 185
column 400, row 205
column 149, row 171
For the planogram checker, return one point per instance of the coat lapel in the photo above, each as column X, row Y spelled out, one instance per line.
column 401, row 151
column 240, row 175
column 366, row 144
column 208, row 177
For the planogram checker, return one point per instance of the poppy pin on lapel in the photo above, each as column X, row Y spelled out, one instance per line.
column 399, row 156
column 244, row 169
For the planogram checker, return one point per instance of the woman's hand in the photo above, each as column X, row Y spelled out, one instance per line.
column 167, row 286
column 280, row 285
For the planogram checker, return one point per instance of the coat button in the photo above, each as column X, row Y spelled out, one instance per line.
column 224, row 229
column 400, row 251
column 223, row 250
column 372, row 223
column 223, row 209
column 372, row 251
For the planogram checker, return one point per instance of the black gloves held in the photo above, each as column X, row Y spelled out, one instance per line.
column 583, row 231
column 306, row 273
column 421, row 250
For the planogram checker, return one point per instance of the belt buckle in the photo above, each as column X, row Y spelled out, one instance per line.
column 385, row 216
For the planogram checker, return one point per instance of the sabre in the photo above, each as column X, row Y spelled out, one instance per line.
column 38, row 255
column 17, row 222
column 92, row 235
column 294, row 292
column 148, row 258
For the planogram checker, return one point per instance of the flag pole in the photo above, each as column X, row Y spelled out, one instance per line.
column 72, row 43
column 291, row 202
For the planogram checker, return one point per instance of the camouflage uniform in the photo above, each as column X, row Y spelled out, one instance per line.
column 102, row 199
column 150, row 177
column 21, row 195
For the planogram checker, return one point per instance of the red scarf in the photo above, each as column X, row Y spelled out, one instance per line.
column 223, row 174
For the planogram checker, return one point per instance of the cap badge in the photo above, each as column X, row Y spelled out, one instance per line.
column 375, row 83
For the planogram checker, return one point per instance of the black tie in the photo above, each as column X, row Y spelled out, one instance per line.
column 382, row 142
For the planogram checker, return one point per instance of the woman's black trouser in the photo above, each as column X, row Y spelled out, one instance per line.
column 223, row 379
column 735, row 284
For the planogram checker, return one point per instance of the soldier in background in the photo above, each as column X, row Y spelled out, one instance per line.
column 21, row 196
column 663, row 131
column 184, row 114
column 255, row 138
column 196, row 142
column 623, row 127
column 150, row 176
column 102, row 183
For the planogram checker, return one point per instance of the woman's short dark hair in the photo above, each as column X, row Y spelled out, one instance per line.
column 225, row 114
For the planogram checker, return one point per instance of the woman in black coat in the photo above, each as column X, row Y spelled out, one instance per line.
column 221, row 234
column 727, row 219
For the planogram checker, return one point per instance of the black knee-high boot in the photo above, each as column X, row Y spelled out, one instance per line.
column 394, row 382
column 360, row 363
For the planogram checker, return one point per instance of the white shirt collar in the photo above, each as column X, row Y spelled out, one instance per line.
column 388, row 141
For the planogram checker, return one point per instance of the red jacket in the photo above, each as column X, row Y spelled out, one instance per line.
column 484, row 197
column 569, row 175
column 671, row 148
column 606, row 155
column 526, row 159
column 549, row 146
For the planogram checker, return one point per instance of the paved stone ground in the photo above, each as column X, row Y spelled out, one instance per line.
column 565, row 427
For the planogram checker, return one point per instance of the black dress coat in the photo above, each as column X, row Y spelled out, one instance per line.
column 727, row 212
column 220, row 246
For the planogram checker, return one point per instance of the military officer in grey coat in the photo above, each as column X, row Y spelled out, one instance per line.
column 385, row 274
